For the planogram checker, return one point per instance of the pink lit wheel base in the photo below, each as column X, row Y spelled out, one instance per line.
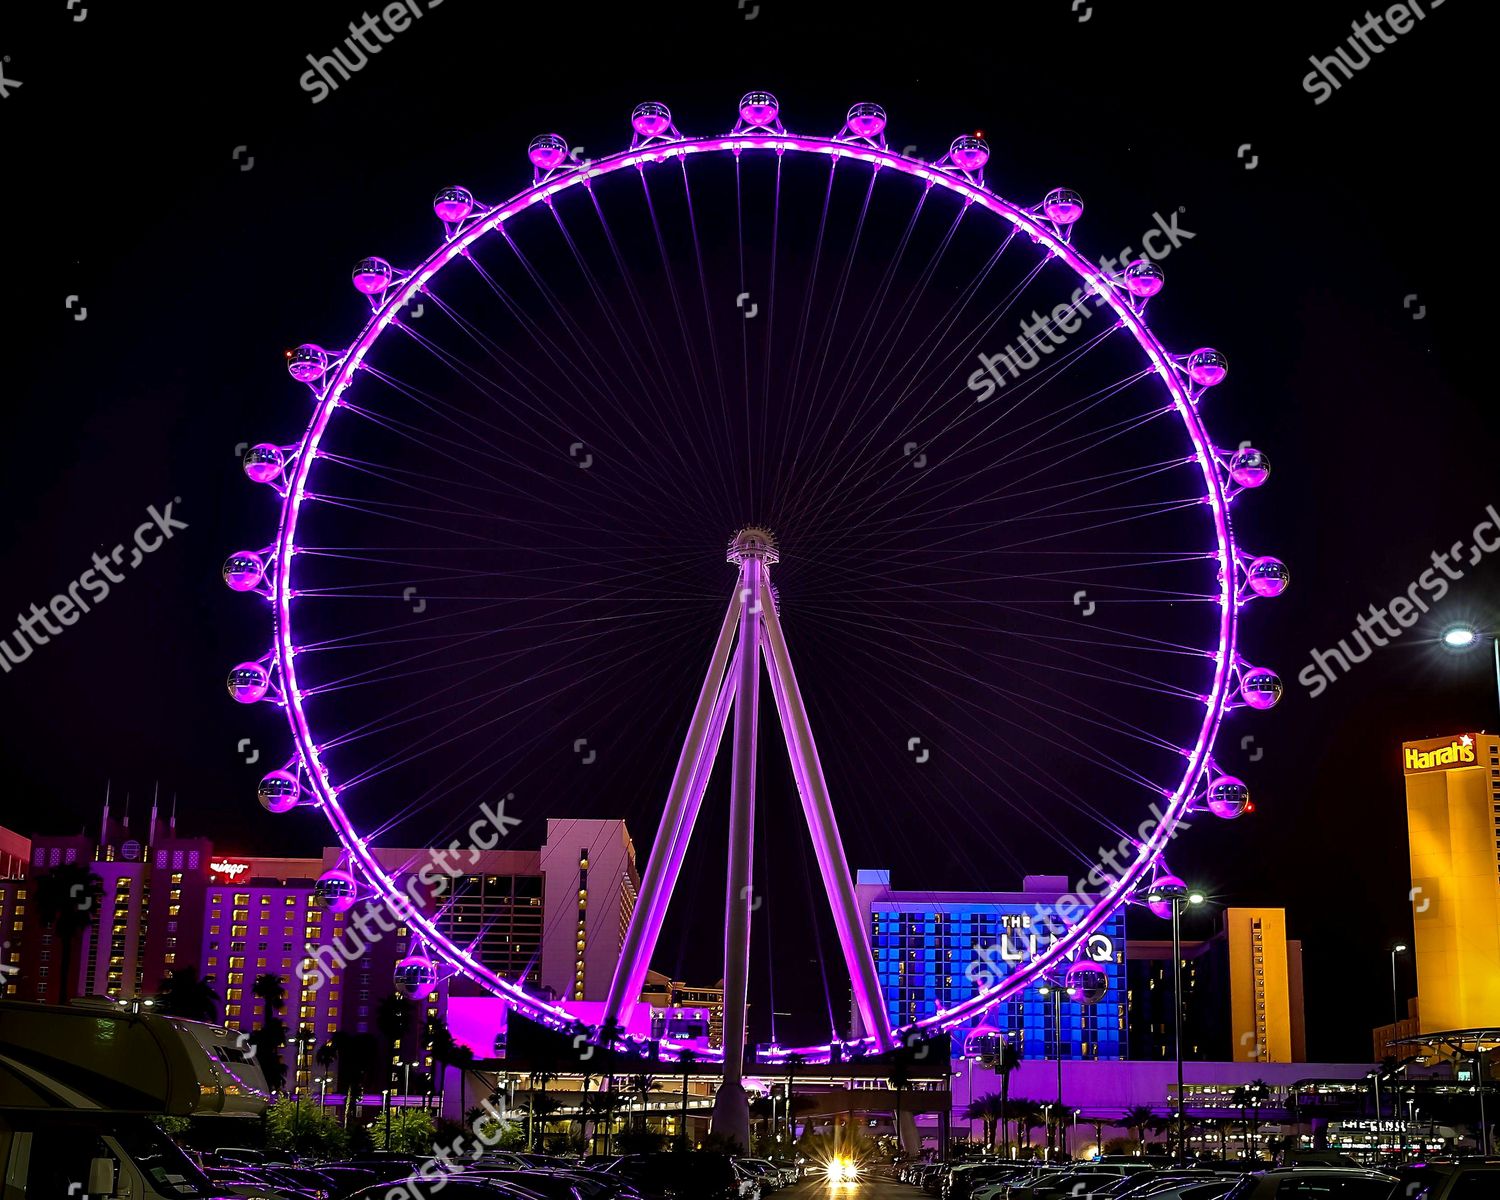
column 1125, row 306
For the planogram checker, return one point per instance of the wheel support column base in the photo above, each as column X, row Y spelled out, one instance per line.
column 731, row 1119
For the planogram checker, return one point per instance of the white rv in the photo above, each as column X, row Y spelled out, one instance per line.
column 80, row 1084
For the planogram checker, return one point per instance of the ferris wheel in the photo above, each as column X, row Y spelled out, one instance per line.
column 505, row 523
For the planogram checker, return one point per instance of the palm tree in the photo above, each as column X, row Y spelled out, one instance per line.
column 1027, row 1115
column 641, row 1087
column 1139, row 1119
column 1257, row 1094
column 987, row 1110
column 355, row 1054
column 1240, row 1098
column 446, row 1052
column 1221, row 1125
column 68, row 899
column 899, row 1075
column 270, row 1038
column 538, row 1102
column 1004, row 1059
column 793, row 1061
column 186, row 994
column 606, row 1105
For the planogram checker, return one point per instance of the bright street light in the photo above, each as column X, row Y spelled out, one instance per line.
column 1460, row 637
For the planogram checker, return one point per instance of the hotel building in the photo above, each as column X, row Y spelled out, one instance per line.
column 15, row 859
column 1453, row 827
column 924, row 943
column 1242, row 993
column 552, row 918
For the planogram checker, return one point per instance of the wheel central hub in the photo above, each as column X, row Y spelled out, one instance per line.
column 753, row 541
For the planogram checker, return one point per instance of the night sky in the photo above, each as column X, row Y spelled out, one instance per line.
column 170, row 174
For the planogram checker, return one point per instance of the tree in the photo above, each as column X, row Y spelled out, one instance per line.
column 792, row 1062
column 507, row 1134
column 270, row 1039
column 1139, row 1119
column 446, row 1052
column 641, row 1087
column 411, row 1131
column 291, row 1126
column 604, row 1105
column 68, row 899
column 186, row 994
column 899, row 1076
column 1004, row 1059
column 539, row 1104
column 541, row 1111
column 356, row 1055
column 989, row 1110
column 1027, row 1115
column 1256, row 1094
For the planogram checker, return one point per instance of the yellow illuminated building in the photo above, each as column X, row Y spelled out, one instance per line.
column 1260, row 985
column 1453, row 825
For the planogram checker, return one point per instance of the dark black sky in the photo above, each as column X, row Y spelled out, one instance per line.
column 122, row 187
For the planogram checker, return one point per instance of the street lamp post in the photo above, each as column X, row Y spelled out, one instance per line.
column 1462, row 638
column 1484, row 1129
column 1054, row 1124
column 1398, row 948
column 1171, row 891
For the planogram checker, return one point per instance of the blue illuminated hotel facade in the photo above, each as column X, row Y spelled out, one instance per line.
column 925, row 941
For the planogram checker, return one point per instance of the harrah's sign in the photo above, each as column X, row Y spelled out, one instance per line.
column 1439, row 754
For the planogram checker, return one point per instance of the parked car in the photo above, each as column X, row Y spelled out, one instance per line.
column 697, row 1175
column 770, row 1176
column 1142, row 1184
column 1313, row 1183
column 458, row 1187
column 1058, row 1185
column 1462, row 1179
column 965, row 1180
column 252, row 1184
column 1202, row 1189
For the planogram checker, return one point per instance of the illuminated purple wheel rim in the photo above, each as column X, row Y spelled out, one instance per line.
column 657, row 145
